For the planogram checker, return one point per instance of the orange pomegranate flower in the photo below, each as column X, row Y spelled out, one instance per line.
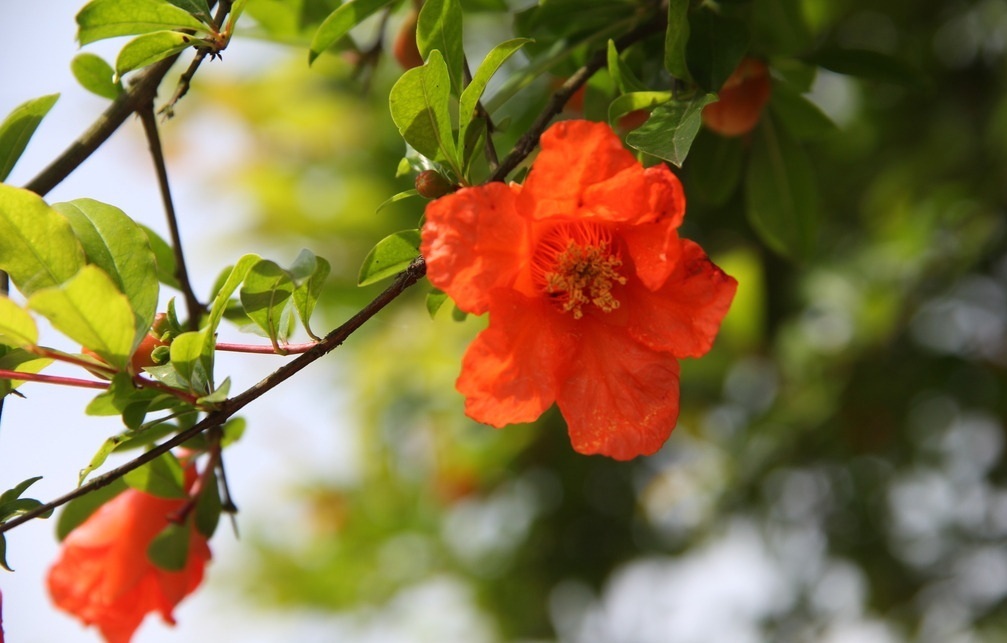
column 592, row 296
column 742, row 99
column 104, row 576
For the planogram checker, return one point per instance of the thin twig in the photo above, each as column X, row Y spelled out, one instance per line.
column 226, row 409
column 529, row 140
column 258, row 349
column 51, row 379
column 195, row 308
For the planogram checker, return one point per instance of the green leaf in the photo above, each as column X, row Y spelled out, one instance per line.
column 208, row 507
column 340, row 22
column 18, row 128
column 265, row 295
column 20, row 361
column 197, row 8
column 419, row 106
column 119, row 246
column 671, row 128
column 624, row 78
column 162, row 477
column 781, row 194
column 3, row 553
column 716, row 46
column 401, row 195
column 435, row 300
column 15, row 492
column 392, row 255
column 80, row 509
column 149, row 48
column 232, row 431
column 218, row 396
column 37, row 246
column 676, row 38
column 234, row 278
column 98, row 459
column 191, row 360
column 17, row 328
column 871, row 65
column 90, row 310
column 801, row 117
column 170, row 549
column 487, row 68
column 439, row 26
column 780, row 26
column 102, row 19
column 631, row 102
column 164, row 255
column 95, row 75
column 309, row 285
column 713, row 170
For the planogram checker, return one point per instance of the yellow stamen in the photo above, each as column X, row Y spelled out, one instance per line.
column 578, row 266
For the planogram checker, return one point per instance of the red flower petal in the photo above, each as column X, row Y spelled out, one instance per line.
column 472, row 241
column 575, row 155
column 509, row 372
column 683, row 317
column 621, row 398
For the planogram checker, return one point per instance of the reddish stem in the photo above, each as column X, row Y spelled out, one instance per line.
column 51, row 379
column 286, row 349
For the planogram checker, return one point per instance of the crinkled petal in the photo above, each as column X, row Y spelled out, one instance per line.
column 621, row 398
column 510, row 371
column 575, row 156
column 683, row 317
column 637, row 196
column 472, row 242
column 655, row 249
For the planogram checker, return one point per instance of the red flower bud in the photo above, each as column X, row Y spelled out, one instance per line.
column 742, row 98
column 405, row 49
column 432, row 184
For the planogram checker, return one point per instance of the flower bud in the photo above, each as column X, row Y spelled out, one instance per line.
column 432, row 184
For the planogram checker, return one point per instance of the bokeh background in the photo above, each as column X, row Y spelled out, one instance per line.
column 837, row 473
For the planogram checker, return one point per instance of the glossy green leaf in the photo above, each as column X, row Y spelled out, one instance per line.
column 170, row 549
column 119, row 246
column 631, row 102
column 392, row 255
column 781, row 194
column 439, row 26
column 90, row 310
column 95, row 75
column 101, row 19
column 235, row 276
column 341, row 21
column 309, row 274
column 80, row 509
column 265, row 295
column 716, row 46
column 162, row 477
column 37, row 246
column 671, row 128
column 624, row 78
column 191, row 356
column 473, row 93
column 676, row 39
column 197, row 8
column 801, row 117
column 419, row 105
column 871, row 65
column 18, row 128
column 164, row 256
column 17, row 328
column 149, row 48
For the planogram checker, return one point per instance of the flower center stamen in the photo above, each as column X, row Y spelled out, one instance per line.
column 578, row 266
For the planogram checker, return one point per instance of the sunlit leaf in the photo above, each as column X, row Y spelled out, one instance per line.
column 90, row 309
column 265, row 294
column 309, row 286
column 341, row 21
column 671, row 128
column 405, row 194
column 473, row 92
column 631, row 102
column 17, row 328
column 419, row 106
column 149, row 48
column 95, row 75
column 439, row 26
column 109, row 18
column 781, row 194
column 16, row 359
column 162, row 477
column 18, row 128
column 116, row 244
column 390, row 256
column 192, row 358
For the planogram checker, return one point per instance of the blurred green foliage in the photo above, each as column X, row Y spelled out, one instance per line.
column 847, row 429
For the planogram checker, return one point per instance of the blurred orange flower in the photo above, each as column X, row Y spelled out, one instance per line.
column 592, row 296
column 742, row 99
column 104, row 576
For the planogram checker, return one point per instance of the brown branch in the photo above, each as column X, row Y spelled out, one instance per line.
column 192, row 303
column 529, row 140
column 226, row 409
